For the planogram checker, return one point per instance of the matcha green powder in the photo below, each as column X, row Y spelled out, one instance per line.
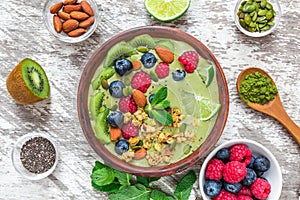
column 257, row 88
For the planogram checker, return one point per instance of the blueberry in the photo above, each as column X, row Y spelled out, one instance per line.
column 223, row 154
column 212, row 188
column 251, row 163
column 261, row 164
column 123, row 66
column 250, row 177
column 178, row 75
column 232, row 187
column 115, row 119
column 148, row 60
column 121, row 147
column 151, row 97
column 116, row 89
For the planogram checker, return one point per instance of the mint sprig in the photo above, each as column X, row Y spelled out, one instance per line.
column 121, row 185
column 159, row 104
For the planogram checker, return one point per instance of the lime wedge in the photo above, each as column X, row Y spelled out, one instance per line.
column 208, row 109
column 207, row 74
column 166, row 10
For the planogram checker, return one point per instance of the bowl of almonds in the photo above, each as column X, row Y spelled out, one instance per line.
column 71, row 20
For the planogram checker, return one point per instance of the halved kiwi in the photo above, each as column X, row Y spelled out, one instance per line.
column 120, row 50
column 96, row 104
column 144, row 40
column 27, row 83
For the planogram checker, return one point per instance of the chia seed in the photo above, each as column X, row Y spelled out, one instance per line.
column 38, row 155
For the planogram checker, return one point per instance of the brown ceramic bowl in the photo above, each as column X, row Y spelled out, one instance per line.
column 83, row 111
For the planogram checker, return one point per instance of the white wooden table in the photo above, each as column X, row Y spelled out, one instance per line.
column 23, row 34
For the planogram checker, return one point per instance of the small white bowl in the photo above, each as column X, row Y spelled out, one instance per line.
column 17, row 163
column 273, row 175
column 277, row 9
column 48, row 20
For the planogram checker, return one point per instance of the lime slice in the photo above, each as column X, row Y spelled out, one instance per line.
column 166, row 10
column 208, row 109
column 207, row 74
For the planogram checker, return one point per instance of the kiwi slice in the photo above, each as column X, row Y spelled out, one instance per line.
column 27, row 83
column 166, row 43
column 96, row 103
column 144, row 40
column 101, row 127
column 120, row 50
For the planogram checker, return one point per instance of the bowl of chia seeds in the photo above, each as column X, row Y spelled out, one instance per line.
column 34, row 156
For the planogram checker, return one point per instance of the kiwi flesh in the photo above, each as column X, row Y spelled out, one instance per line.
column 27, row 83
column 96, row 103
column 166, row 43
column 144, row 40
column 101, row 127
column 120, row 50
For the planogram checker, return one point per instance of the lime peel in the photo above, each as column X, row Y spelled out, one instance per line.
column 166, row 10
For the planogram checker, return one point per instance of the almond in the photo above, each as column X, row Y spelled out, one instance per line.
column 87, row 23
column 114, row 133
column 86, row 7
column 57, row 24
column 165, row 54
column 70, row 2
column 77, row 32
column 71, row 8
column 70, row 25
column 56, row 7
column 140, row 154
column 136, row 64
column 63, row 15
column 79, row 15
column 139, row 98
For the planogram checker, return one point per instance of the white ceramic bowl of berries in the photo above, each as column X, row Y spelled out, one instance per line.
column 240, row 169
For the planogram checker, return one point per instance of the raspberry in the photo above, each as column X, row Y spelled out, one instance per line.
column 129, row 131
column 162, row 70
column 214, row 170
column 224, row 195
column 234, row 171
column 141, row 81
column 127, row 104
column 244, row 197
column 189, row 60
column 245, row 191
column 241, row 153
column 260, row 188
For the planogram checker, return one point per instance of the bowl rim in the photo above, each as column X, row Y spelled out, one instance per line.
column 65, row 38
column 157, row 171
column 20, row 142
column 257, row 34
column 228, row 144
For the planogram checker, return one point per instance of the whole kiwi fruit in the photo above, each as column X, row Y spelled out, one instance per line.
column 27, row 83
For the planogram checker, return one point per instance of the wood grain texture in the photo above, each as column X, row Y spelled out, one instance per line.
column 23, row 34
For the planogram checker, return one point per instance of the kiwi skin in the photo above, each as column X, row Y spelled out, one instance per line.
column 17, row 88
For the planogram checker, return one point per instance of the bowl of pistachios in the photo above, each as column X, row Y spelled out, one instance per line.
column 257, row 18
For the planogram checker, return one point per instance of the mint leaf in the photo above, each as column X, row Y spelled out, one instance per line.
column 162, row 116
column 146, row 181
column 162, row 105
column 113, row 187
column 123, row 178
column 158, row 195
column 159, row 96
column 103, row 176
column 185, row 186
column 135, row 192
column 98, row 165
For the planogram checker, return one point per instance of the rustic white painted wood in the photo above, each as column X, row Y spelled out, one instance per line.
column 23, row 34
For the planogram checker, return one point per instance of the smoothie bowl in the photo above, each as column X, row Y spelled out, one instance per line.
column 152, row 101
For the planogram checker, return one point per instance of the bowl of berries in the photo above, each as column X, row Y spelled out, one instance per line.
column 152, row 101
column 240, row 169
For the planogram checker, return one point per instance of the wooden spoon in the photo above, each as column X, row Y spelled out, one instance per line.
column 273, row 108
